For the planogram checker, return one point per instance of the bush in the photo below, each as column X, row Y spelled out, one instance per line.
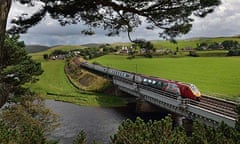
column 45, row 56
column 193, row 54
column 27, row 122
column 235, row 52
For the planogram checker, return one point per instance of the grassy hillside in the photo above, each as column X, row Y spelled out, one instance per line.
column 212, row 75
column 36, row 48
column 54, row 84
column 157, row 44
column 190, row 42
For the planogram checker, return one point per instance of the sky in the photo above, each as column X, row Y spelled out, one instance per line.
column 224, row 21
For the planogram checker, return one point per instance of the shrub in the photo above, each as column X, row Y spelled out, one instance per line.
column 193, row 54
column 235, row 52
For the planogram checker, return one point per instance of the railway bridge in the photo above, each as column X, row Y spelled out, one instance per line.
column 209, row 110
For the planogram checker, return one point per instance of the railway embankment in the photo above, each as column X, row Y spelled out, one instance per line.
column 85, row 80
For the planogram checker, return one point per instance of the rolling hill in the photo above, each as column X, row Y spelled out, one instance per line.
column 192, row 43
column 36, row 48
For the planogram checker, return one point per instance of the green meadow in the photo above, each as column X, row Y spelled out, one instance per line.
column 215, row 76
column 213, row 73
column 54, row 84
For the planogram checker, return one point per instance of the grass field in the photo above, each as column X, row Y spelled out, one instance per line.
column 215, row 76
column 54, row 84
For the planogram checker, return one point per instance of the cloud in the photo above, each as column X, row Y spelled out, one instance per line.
column 224, row 21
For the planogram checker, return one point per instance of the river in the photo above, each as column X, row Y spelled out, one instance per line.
column 98, row 123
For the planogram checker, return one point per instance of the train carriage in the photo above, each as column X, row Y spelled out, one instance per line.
column 186, row 90
column 122, row 74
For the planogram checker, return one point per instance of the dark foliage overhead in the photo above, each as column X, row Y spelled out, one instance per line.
column 170, row 17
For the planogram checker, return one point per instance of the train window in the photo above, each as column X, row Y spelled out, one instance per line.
column 150, row 81
column 194, row 88
column 145, row 81
column 159, row 84
column 170, row 86
column 164, row 84
column 154, row 82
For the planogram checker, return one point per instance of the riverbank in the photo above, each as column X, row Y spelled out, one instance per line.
column 54, row 84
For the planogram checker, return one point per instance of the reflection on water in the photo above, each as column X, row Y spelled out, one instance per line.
column 98, row 123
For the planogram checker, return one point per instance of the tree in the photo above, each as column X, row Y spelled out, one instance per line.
column 45, row 56
column 146, row 45
column 223, row 134
column 151, row 132
column 214, row 46
column 172, row 17
column 237, row 125
column 18, row 69
column 4, row 10
column 27, row 122
column 230, row 44
column 202, row 46
column 149, row 48
column 58, row 52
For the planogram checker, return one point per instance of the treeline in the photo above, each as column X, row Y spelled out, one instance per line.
column 233, row 47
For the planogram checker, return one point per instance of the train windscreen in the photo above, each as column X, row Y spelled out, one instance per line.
column 194, row 88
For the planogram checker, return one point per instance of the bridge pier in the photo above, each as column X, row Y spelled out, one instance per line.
column 117, row 91
column 178, row 119
column 186, row 123
column 143, row 106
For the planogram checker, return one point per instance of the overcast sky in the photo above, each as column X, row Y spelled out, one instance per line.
column 224, row 21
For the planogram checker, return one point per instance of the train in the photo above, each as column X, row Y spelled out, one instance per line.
column 183, row 89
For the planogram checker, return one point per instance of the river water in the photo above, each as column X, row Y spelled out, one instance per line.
column 98, row 123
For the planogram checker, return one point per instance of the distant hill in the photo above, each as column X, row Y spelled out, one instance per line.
column 91, row 45
column 36, row 48
column 191, row 42
column 182, row 43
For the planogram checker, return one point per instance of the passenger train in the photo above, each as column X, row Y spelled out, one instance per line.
column 186, row 90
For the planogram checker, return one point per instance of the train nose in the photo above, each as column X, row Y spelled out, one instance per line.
column 197, row 94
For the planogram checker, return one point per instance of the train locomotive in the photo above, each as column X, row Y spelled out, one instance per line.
column 183, row 89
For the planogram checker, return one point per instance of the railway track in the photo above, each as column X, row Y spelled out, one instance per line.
column 217, row 105
column 221, row 106
column 208, row 107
